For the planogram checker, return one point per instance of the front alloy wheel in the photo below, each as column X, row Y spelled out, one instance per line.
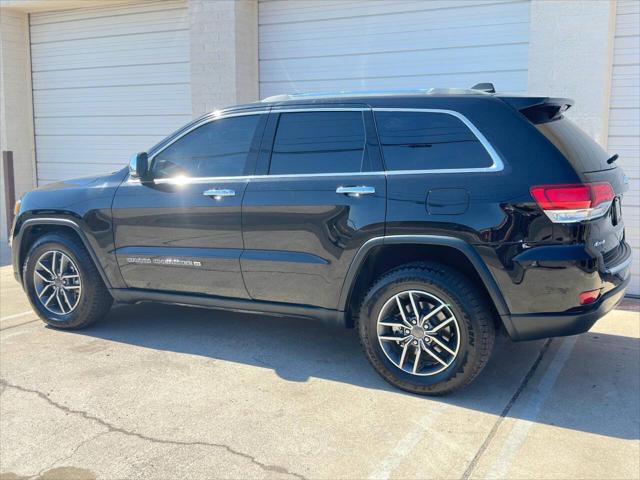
column 57, row 282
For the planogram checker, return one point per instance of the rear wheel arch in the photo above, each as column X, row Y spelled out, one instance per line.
column 382, row 254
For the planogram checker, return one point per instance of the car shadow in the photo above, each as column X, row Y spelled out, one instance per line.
column 601, row 378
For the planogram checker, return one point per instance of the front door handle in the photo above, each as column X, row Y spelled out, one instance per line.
column 356, row 191
column 218, row 193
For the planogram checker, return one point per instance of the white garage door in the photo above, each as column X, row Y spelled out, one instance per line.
column 326, row 45
column 624, row 119
column 107, row 82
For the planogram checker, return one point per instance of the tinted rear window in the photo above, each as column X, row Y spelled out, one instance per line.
column 318, row 142
column 584, row 154
column 428, row 141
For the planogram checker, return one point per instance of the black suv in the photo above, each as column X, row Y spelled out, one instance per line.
column 426, row 220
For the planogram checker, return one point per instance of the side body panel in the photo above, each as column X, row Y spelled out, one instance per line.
column 300, row 235
column 173, row 238
column 82, row 204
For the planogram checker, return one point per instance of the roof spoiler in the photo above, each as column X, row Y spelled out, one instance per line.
column 484, row 87
column 540, row 109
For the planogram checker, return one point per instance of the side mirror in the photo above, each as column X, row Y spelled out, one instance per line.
column 139, row 166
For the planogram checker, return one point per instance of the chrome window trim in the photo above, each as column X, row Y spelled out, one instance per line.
column 497, row 165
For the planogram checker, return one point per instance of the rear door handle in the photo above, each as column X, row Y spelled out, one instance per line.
column 356, row 191
column 218, row 193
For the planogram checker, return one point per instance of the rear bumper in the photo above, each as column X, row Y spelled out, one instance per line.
column 543, row 325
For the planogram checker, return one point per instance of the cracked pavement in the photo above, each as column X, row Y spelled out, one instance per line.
column 163, row 392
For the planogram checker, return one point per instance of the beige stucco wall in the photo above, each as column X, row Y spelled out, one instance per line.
column 16, row 111
column 571, row 55
column 224, row 53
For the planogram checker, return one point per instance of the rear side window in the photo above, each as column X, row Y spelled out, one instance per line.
column 582, row 151
column 216, row 149
column 318, row 142
column 428, row 141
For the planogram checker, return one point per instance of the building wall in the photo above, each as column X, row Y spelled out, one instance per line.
column 16, row 113
column 570, row 55
column 224, row 53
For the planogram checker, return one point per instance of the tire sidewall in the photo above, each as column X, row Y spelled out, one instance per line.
column 415, row 280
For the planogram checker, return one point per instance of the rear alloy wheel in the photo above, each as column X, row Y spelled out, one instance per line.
column 426, row 328
column 418, row 332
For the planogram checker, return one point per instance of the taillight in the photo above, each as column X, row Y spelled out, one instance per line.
column 573, row 203
column 589, row 297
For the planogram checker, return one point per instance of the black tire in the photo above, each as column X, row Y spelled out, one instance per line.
column 94, row 300
column 465, row 301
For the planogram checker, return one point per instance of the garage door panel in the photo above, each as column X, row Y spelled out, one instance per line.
column 108, row 82
column 161, row 73
column 627, row 7
column 126, row 10
column 386, row 64
column 107, row 149
column 509, row 81
column 139, row 100
column 316, row 45
column 624, row 120
column 160, row 47
column 164, row 20
column 408, row 41
column 426, row 21
column 143, row 125
column 52, row 171
column 282, row 11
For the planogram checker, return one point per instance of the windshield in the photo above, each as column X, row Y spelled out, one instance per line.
column 579, row 148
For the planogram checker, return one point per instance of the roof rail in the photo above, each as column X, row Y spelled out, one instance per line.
column 369, row 93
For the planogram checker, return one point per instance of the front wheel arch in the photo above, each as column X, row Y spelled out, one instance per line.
column 34, row 228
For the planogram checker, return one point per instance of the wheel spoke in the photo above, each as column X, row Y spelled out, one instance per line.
column 64, row 260
column 432, row 313
column 46, row 304
column 44, row 290
column 413, row 305
column 391, row 324
column 70, row 277
column 442, row 345
column 53, row 263
column 416, row 362
column 71, row 287
column 66, row 299
column 404, row 354
column 59, row 301
column 41, row 265
column 402, row 313
column 436, row 357
column 393, row 339
column 45, row 279
column 440, row 326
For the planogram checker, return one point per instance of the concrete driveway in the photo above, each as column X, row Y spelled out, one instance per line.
column 171, row 392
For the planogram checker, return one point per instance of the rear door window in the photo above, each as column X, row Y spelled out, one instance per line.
column 318, row 142
column 582, row 151
column 428, row 141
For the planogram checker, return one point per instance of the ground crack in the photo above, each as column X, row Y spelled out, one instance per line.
column 113, row 428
